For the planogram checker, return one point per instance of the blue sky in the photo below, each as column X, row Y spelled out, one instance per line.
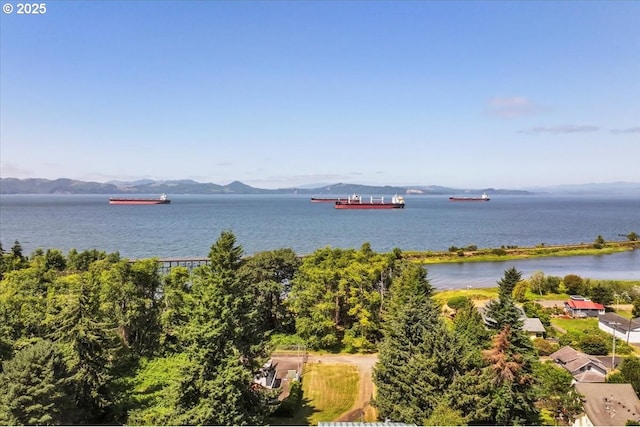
column 278, row 94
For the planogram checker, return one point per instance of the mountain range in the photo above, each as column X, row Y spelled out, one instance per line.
column 187, row 186
column 70, row 186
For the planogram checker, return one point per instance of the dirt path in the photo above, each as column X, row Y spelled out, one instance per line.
column 364, row 363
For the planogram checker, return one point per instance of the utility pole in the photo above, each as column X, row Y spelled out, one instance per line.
column 613, row 357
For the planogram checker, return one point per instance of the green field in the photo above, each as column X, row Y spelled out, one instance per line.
column 476, row 294
column 575, row 325
column 329, row 390
column 501, row 254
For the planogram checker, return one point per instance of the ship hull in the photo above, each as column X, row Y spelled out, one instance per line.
column 469, row 199
column 138, row 202
column 346, row 205
column 325, row 199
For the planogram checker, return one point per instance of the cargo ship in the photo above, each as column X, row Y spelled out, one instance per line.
column 356, row 202
column 326, row 199
column 162, row 200
column 483, row 198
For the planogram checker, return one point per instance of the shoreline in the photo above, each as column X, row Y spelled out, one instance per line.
column 467, row 255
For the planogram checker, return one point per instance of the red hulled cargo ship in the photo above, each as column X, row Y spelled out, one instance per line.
column 356, row 202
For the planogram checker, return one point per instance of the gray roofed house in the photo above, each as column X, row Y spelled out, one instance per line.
column 531, row 325
column 625, row 329
column 534, row 327
column 607, row 405
column 583, row 367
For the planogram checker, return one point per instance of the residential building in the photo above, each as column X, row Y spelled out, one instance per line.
column 583, row 367
column 579, row 306
column 534, row 327
column 607, row 405
column 531, row 325
column 628, row 330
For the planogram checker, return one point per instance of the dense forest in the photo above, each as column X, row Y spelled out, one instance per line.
column 91, row 338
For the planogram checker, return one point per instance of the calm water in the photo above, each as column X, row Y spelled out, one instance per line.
column 191, row 223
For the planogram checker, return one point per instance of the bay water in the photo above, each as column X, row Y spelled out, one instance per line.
column 191, row 224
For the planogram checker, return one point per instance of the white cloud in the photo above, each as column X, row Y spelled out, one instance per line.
column 635, row 129
column 561, row 129
column 510, row 107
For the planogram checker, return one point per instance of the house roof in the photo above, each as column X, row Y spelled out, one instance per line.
column 609, row 404
column 590, row 377
column 533, row 324
column 584, row 305
column 622, row 323
column 573, row 361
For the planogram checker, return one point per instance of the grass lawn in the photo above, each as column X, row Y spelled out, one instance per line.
column 329, row 390
column 475, row 294
column 576, row 325
column 533, row 296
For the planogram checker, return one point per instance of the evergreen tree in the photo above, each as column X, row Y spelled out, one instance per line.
column 35, row 388
column 89, row 348
column 153, row 392
column 509, row 394
column 468, row 324
column 221, row 344
column 418, row 357
column 445, row 415
column 504, row 312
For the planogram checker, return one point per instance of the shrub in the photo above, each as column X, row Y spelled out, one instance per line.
column 572, row 339
column 545, row 347
column 498, row 251
column 457, row 302
column 594, row 345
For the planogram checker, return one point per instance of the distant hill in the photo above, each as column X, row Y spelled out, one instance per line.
column 70, row 186
column 56, row 186
column 592, row 188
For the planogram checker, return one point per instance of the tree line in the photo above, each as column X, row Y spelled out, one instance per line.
column 92, row 338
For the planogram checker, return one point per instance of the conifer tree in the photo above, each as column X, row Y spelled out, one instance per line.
column 418, row 357
column 89, row 347
column 504, row 312
column 35, row 388
column 509, row 397
column 219, row 340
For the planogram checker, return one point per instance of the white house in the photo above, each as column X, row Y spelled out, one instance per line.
column 628, row 330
